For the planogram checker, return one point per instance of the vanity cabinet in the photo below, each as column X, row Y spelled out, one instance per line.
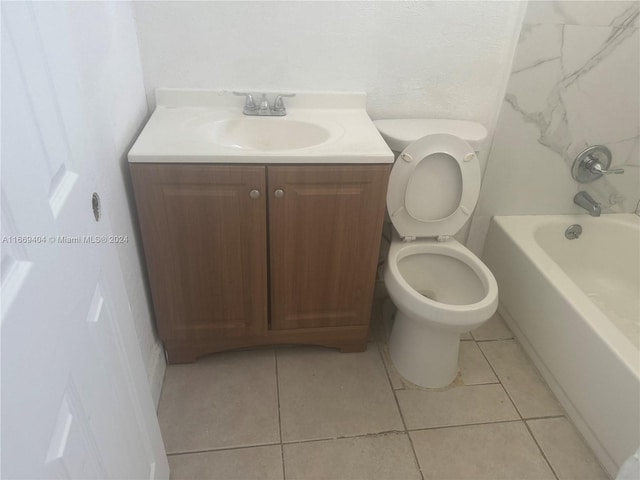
column 246, row 255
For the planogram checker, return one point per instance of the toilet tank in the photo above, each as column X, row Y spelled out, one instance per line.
column 399, row 133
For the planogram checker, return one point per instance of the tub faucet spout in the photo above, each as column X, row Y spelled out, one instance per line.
column 586, row 201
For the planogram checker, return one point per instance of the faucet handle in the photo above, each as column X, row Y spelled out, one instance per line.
column 595, row 167
column 249, row 104
column 592, row 163
column 278, row 104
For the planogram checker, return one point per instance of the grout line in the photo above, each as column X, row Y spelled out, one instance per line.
column 522, row 419
column 221, row 449
column 500, row 381
column 404, row 424
column 489, row 340
column 275, row 352
column 460, row 425
column 545, row 417
column 345, row 437
column 535, row 440
column 464, row 385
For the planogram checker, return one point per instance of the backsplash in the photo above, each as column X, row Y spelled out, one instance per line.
column 574, row 83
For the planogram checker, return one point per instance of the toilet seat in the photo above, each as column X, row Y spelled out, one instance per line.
column 450, row 317
column 433, row 187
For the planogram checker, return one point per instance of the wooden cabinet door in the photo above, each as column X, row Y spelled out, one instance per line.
column 324, row 236
column 205, row 246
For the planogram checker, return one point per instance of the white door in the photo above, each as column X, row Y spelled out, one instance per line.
column 75, row 397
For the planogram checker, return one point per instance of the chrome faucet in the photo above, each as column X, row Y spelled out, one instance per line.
column 264, row 109
column 586, row 201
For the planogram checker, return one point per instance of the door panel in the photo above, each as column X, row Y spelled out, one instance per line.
column 75, row 397
column 324, row 235
column 205, row 245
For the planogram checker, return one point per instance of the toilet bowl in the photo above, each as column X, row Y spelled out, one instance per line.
column 440, row 288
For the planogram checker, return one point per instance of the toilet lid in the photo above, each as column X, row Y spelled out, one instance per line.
column 433, row 186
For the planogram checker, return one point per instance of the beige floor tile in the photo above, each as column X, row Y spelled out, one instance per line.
column 474, row 368
column 569, row 456
column 493, row 329
column 476, row 452
column 224, row 400
column 466, row 336
column 455, row 406
column 526, row 388
column 259, row 463
column 383, row 457
column 327, row 394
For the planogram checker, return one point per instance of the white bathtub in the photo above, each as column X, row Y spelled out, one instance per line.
column 574, row 307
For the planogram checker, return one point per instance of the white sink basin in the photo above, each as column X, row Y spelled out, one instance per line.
column 265, row 133
column 205, row 126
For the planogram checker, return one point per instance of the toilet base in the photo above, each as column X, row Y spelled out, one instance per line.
column 423, row 355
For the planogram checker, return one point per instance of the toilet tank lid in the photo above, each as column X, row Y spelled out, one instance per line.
column 399, row 133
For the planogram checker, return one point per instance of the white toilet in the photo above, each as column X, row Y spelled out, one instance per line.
column 439, row 287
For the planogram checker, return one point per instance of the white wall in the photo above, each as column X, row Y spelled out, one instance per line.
column 435, row 58
column 109, row 88
column 574, row 84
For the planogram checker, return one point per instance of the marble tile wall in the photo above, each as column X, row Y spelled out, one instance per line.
column 575, row 82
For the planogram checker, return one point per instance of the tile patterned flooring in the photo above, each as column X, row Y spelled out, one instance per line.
column 314, row 413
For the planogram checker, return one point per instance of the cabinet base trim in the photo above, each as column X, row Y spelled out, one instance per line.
column 346, row 339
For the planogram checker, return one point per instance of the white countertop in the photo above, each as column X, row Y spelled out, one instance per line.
column 184, row 125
